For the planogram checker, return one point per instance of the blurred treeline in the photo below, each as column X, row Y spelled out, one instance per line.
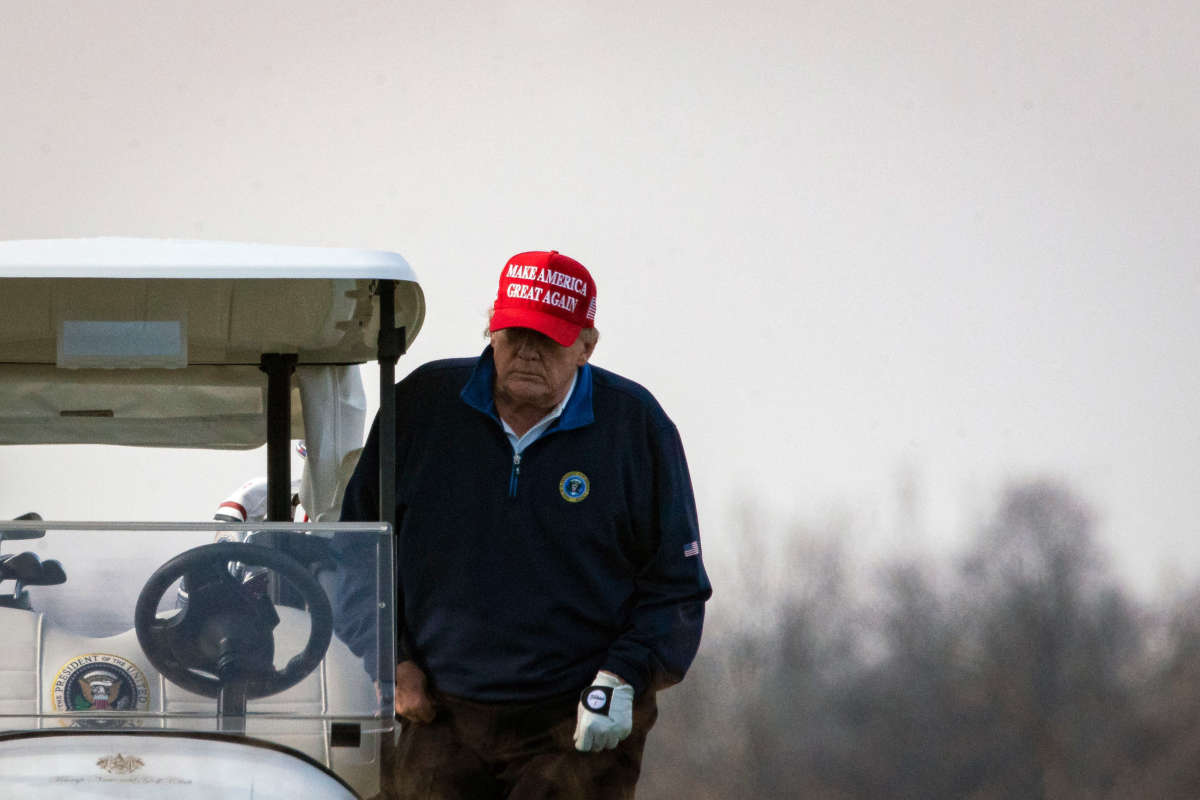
column 1022, row 669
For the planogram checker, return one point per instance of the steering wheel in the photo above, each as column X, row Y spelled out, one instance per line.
column 223, row 635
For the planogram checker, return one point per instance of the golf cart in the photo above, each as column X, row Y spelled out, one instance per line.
column 196, row 658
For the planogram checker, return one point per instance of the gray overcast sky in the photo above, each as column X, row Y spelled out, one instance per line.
column 847, row 244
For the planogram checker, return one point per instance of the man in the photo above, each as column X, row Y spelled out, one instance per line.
column 249, row 504
column 548, row 556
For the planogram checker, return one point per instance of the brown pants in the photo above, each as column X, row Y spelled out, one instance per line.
column 516, row 751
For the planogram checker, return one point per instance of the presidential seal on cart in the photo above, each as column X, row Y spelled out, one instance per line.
column 100, row 682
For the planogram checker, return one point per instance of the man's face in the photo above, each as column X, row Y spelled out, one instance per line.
column 533, row 369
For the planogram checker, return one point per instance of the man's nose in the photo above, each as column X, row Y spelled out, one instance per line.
column 527, row 348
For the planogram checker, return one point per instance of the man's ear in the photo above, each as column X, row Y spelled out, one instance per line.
column 586, row 353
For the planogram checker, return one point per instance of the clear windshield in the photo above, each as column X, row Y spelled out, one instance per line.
column 198, row 627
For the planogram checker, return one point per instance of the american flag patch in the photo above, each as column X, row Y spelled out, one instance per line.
column 591, row 312
column 691, row 549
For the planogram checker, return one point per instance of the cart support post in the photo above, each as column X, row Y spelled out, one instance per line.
column 279, row 368
column 391, row 346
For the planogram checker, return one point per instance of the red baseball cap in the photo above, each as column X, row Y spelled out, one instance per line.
column 548, row 292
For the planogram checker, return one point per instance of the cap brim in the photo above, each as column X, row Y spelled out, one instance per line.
column 561, row 331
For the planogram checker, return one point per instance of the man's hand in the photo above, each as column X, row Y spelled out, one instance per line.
column 605, row 713
column 412, row 701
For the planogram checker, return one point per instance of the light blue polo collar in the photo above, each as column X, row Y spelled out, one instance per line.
column 478, row 395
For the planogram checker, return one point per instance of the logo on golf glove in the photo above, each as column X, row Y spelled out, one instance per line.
column 605, row 714
column 597, row 699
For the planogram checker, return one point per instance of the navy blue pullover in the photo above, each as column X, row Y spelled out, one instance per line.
column 519, row 577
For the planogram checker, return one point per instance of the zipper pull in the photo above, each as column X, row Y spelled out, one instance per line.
column 516, row 473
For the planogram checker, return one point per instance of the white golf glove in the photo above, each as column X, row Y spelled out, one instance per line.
column 605, row 713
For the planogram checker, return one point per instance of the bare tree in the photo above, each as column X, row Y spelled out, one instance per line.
column 1025, row 676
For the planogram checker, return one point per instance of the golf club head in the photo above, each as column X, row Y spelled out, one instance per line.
column 53, row 573
column 30, row 534
column 24, row 567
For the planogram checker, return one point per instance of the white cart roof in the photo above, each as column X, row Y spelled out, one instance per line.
column 158, row 342
column 118, row 257
column 226, row 303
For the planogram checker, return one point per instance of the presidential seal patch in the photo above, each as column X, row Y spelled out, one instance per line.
column 100, row 682
column 574, row 487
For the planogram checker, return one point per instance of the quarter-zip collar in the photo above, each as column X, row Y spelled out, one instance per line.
column 477, row 393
